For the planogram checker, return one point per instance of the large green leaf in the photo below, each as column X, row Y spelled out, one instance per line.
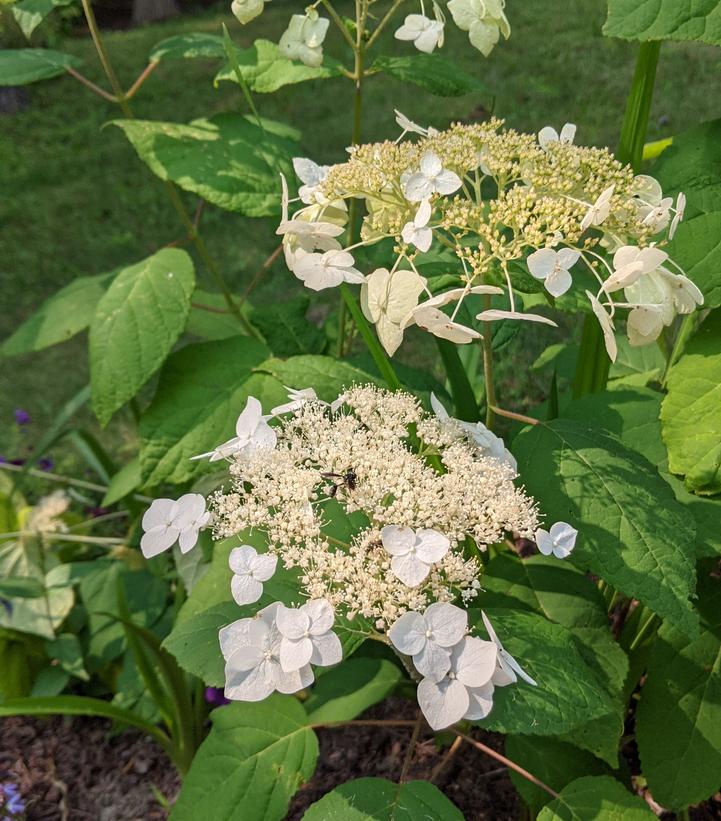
column 250, row 765
column 30, row 13
column 431, row 72
column 696, row 247
column 327, row 375
column 569, row 692
column 691, row 411
column 554, row 762
column 192, row 44
column 632, row 532
column 60, row 317
column 376, row 799
column 678, row 721
column 227, row 159
column 664, row 20
column 346, row 691
column 596, row 798
column 632, row 414
column 265, row 69
column 21, row 66
column 285, row 328
column 202, row 390
column 136, row 323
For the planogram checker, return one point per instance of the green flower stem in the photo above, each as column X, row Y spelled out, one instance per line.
column 374, row 347
column 593, row 363
column 487, row 348
column 638, row 638
column 686, row 328
column 464, row 398
column 122, row 100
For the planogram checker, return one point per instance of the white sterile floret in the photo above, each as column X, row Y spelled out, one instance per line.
column 417, row 232
column 307, row 636
column 493, row 314
column 431, row 178
column 327, row 270
column 604, row 320
column 407, row 125
column 252, row 432
column 251, row 648
column 311, row 175
column 303, row 38
column 631, row 263
column 298, row 398
column 317, row 234
column 167, row 521
column 547, row 136
column 508, row 670
column 481, row 436
column 466, row 690
column 386, row 299
column 484, row 20
column 553, row 267
column 246, row 10
column 250, row 570
column 434, row 321
column 413, row 552
column 559, row 540
column 599, row 210
column 659, row 216
column 429, row 637
column 424, row 33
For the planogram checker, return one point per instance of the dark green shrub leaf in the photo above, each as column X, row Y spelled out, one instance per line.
column 690, row 413
column 21, row 66
column 376, row 799
column 285, row 328
column 632, row 532
column 678, row 721
column 594, row 798
column 431, row 72
column 137, row 321
column 327, row 375
column 250, row 765
column 125, row 481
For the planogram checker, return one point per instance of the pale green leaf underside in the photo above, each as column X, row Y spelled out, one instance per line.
column 633, row 533
column 136, row 323
column 192, row 44
column 691, row 411
column 21, row 66
column 664, row 20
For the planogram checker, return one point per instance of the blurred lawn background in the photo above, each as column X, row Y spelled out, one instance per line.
column 75, row 199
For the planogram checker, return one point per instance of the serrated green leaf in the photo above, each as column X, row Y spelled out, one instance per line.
column 29, row 14
column 664, row 20
column 678, row 720
column 226, row 159
column 691, row 411
column 431, row 72
column 60, row 317
column 250, row 765
column 136, row 323
column 22, row 66
column 376, row 799
column 594, row 798
column 569, row 691
column 632, row 414
column 554, row 762
column 202, row 390
column 183, row 46
column 633, row 533
column 265, row 69
column 347, row 690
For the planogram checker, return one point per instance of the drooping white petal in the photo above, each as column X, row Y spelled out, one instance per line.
column 432, row 661
column 474, row 661
column 327, row 650
column 480, row 702
column 293, row 623
column 564, row 539
column 245, row 589
column 160, row 512
column 605, row 322
column 408, row 633
column 264, row 566
column 443, row 703
column 188, row 539
column 321, row 616
column 158, row 540
column 409, row 569
column 295, row 653
column 493, row 314
column 544, row 542
column 289, row 683
column 251, row 685
column 447, row 623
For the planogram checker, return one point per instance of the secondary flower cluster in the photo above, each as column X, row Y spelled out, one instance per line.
column 378, row 510
column 500, row 209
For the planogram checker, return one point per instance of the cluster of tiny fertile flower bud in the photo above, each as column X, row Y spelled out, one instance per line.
column 494, row 205
column 356, row 467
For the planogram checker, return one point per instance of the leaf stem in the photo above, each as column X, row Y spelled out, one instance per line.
column 101, row 92
column 638, row 638
column 384, row 21
column 487, row 349
column 339, row 23
column 519, row 417
column 411, row 749
column 464, row 398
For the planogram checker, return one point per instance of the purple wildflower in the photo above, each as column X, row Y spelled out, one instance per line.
column 11, row 801
column 46, row 463
column 22, row 417
column 214, row 696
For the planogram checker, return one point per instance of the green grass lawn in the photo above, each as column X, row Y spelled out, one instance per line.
column 76, row 200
